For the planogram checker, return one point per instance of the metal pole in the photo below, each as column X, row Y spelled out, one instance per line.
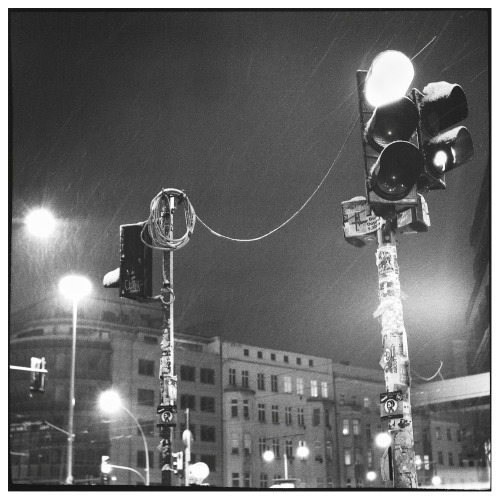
column 167, row 409
column 69, row 468
column 145, row 444
column 286, row 465
column 187, row 453
column 395, row 360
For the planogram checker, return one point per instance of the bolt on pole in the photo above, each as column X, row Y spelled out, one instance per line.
column 395, row 403
column 167, row 409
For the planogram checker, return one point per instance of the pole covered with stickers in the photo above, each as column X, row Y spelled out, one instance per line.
column 395, row 402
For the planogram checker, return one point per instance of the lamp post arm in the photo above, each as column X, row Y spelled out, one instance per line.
column 128, row 468
column 144, row 440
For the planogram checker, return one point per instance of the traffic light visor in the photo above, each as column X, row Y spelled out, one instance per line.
column 393, row 122
column 442, row 106
column 396, row 170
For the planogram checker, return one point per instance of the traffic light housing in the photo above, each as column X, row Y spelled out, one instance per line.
column 135, row 275
column 106, row 469
column 392, row 162
column 37, row 382
column 442, row 105
column 178, row 461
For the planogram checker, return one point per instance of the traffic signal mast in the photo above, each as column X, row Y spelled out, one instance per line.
column 408, row 147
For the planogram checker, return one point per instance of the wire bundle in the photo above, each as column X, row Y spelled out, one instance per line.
column 158, row 223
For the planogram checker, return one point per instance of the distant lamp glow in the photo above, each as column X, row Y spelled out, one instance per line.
column 40, row 223
column 439, row 160
column 110, row 402
column 302, row 451
column 268, row 456
column 75, row 287
column 436, row 481
column 388, row 78
column 371, row 475
column 383, row 440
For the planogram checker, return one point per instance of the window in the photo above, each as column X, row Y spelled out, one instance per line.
column 285, row 359
column 300, row 416
column 438, row 433
column 141, row 459
column 345, row 427
column 319, row 482
column 287, row 384
column 210, row 460
column 355, row 427
column 288, row 415
column 247, row 483
column 274, row 383
column 366, row 402
column 246, row 409
column 288, row 448
column 459, row 435
column 300, row 386
column 236, row 480
column 234, row 408
column 316, row 417
column 440, row 457
column 192, row 428
column 207, row 376
column 244, row 378
column 276, row 447
column 299, row 361
column 461, row 459
column 347, row 456
column 263, row 480
column 448, row 434
column 145, row 397
column 311, row 362
column 324, row 389
column 342, row 399
column 207, row 404
column 450, row 458
column 262, row 412
column 275, row 414
column 149, row 339
column 261, row 383
column 358, row 456
column 235, row 444
column 327, row 418
column 273, row 356
column 246, row 352
column 232, row 376
column 426, row 462
column 348, row 482
column 207, row 433
column 188, row 373
column 247, row 444
column 259, row 354
column 369, row 458
column 368, row 432
column 262, row 446
column 188, row 401
column 314, row 388
column 146, row 367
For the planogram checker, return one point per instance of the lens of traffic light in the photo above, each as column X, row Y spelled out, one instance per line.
column 396, row 170
column 393, row 122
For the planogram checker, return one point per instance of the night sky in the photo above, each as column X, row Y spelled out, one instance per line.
column 246, row 111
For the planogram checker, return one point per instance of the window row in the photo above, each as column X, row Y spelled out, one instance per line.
column 449, row 437
column 187, row 373
column 316, row 389
column 272, row 357
column 206, row 403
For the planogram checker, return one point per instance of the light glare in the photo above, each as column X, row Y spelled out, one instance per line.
column 371, row 475
column 268, row 456
column 388, row 78
column 383, row 440
column 110, row 402
column 75, row 287
column 440, row 159
column 40, row 223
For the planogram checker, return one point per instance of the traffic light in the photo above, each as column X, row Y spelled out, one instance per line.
column 106, row 469
column 441, row 106
column 37, row 383
column 178, row 461
column 392, row 162
column 135, row 274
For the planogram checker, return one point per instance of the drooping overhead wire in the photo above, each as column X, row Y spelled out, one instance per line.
column 434, row 376
column 246, row 240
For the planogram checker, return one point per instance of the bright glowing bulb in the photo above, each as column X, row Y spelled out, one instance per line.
column 371, row 475
column 436, row 480
column 439, row 160
column 302, row 452
column 388, row 78
column 199, row 472
column 268, row 456
column 110, row 402
column 75, row 287
column 40, row 223
column 383, row 440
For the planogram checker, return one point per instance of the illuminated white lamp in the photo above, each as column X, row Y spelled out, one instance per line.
column 75, row 287
column 371, row 475
column 383, row 440
column 388, row 78
column 40, row 222
column 268, row 456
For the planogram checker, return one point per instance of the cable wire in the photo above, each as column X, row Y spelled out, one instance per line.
column 246, row 240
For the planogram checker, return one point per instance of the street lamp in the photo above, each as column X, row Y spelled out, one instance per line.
column 40, row 222
column 74, row 288
column 302, row 453
column 110, row 402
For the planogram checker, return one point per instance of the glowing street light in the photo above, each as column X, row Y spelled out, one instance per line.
column 371, row 475
column 74, row 288
column 110, row 402
column 40, row 223
column 302, row 453
column 383, row 440
column 436, row 481
column 388, row 78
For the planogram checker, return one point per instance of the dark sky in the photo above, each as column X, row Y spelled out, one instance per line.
column 246, row 111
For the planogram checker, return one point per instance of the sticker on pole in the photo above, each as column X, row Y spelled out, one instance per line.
column 391, row 405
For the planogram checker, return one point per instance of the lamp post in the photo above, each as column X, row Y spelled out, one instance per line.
column 74, row 288
column 110, row 402
column 302, row 453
